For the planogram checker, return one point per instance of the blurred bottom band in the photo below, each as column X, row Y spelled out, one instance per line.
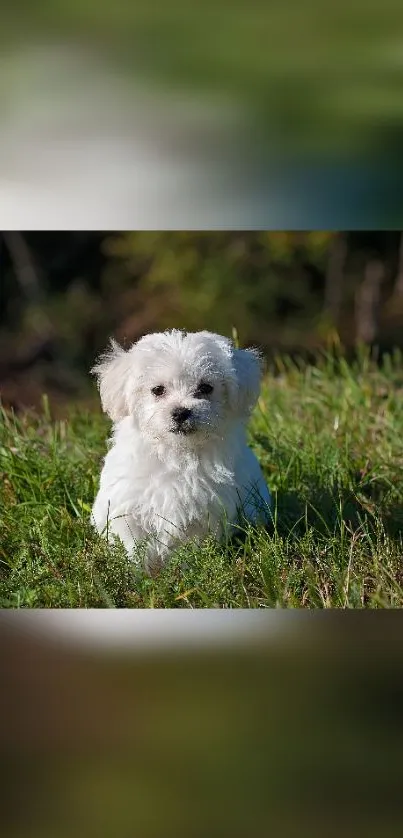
column 295, row 727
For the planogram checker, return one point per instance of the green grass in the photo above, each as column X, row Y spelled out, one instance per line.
column 330, row 441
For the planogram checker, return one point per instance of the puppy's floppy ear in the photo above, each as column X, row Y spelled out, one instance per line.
column 248, row 367
column 111, row 371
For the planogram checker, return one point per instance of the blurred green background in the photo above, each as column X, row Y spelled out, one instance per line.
column 306, row 108
column 302, row 67
column 63, row 295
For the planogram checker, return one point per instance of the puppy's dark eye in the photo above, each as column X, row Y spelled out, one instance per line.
column 204, row 389
column 159, row 390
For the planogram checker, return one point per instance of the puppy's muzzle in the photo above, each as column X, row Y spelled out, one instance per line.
column 182, row 418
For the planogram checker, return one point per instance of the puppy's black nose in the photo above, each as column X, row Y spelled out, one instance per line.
column 180, row 414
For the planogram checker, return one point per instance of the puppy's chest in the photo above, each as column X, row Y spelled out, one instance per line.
column 194, row 499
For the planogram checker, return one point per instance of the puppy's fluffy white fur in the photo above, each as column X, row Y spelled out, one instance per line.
column 178, row 466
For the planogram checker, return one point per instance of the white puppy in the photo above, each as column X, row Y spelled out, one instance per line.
column 178, row 467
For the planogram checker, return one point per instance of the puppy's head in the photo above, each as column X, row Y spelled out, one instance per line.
column 179, row 387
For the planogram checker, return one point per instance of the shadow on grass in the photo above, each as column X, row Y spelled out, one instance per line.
column 327, row 511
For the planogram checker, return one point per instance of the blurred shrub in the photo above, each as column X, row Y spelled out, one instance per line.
column 217, row 280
